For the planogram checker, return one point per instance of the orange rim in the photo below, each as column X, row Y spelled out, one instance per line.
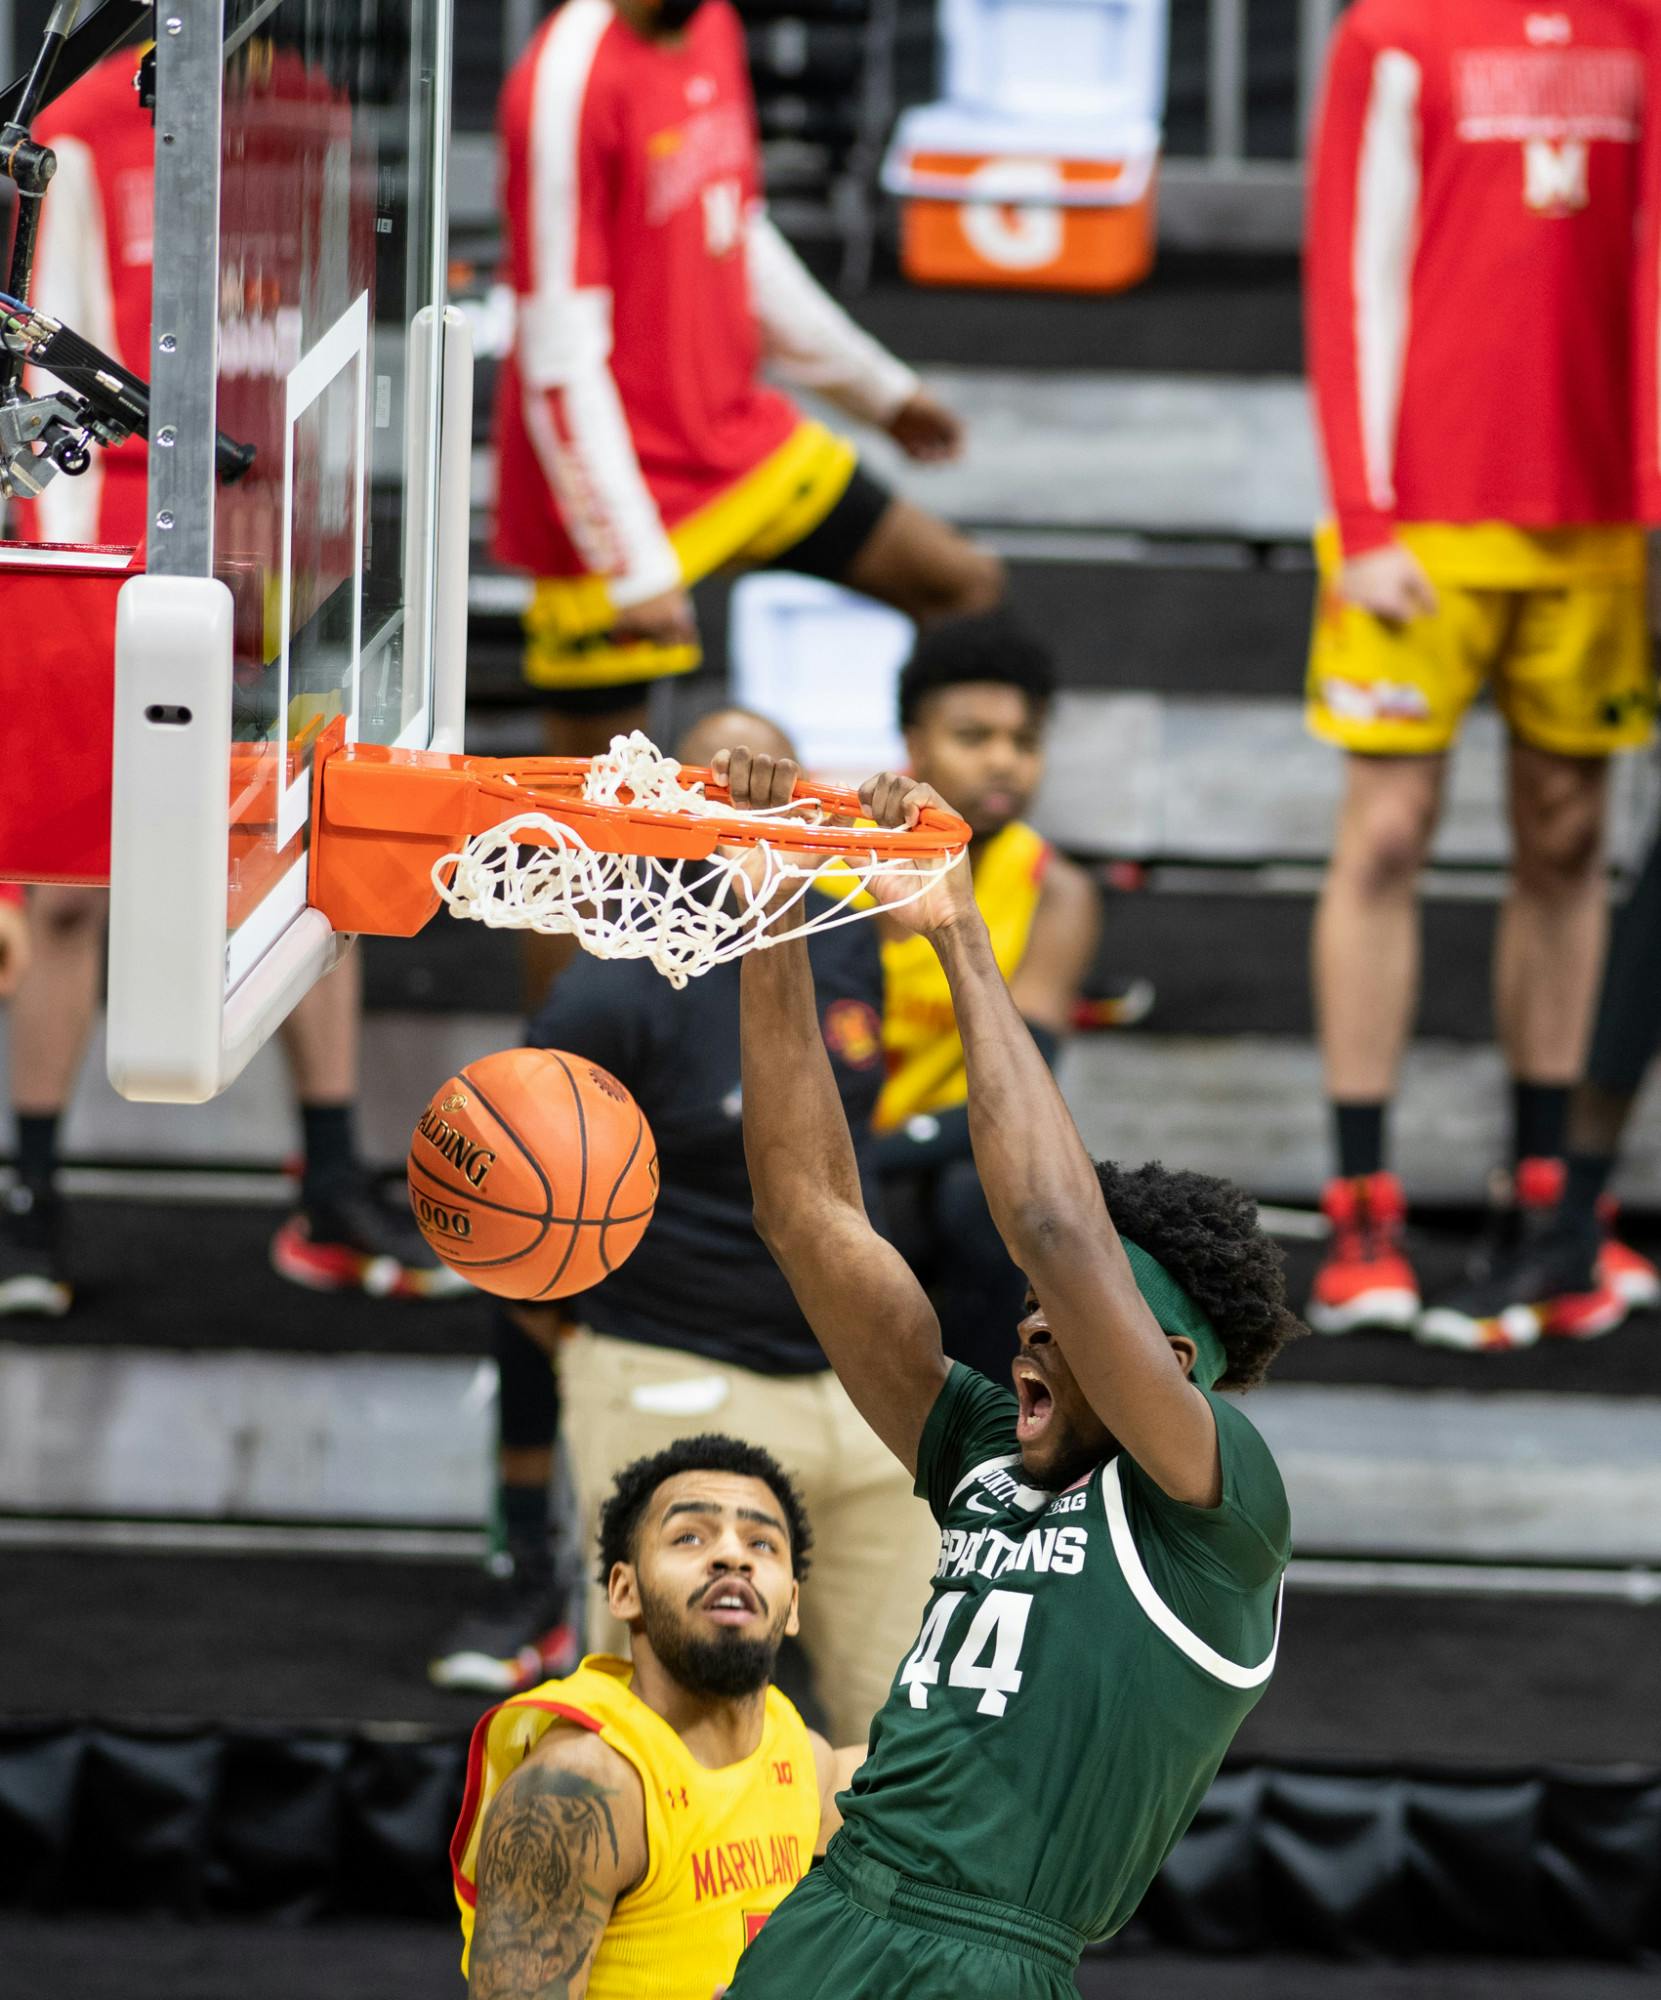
column 383, row 819
column 531, row 784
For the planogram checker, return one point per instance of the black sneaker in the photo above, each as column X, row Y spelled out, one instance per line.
column 34, row 1275
column 1542, row 1277
column 361, row 1239
column 521, row 1633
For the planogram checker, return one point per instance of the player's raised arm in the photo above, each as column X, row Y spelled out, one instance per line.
column 562, row 1840
column 866, row 1308
column 1046, row 1201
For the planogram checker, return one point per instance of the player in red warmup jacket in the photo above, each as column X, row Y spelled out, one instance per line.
column 640, row 448
column 1470, row 299
column 93, row 271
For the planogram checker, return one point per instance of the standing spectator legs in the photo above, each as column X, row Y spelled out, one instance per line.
column 51, row 1019
column 1366, row 948
column 1555, row 1267
column 52, row 1015
column 1366, row 976
column 1549, row 951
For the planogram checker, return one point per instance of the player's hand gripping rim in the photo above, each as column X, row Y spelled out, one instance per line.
column 758, row 782
column 915, row 899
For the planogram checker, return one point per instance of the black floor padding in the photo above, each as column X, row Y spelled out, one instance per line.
column 253, row 1738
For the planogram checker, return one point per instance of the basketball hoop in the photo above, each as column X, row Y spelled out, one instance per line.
column 627, row 852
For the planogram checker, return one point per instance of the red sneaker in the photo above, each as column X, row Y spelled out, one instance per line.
column 1365, row 1279
column 1620, row 1269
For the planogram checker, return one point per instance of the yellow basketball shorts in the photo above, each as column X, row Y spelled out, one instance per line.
column 1568, row 661
column 569, row 639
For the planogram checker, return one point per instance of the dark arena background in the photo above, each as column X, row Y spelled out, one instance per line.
column 234, row 1517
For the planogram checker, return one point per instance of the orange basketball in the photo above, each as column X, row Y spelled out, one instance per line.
column 533, row 1173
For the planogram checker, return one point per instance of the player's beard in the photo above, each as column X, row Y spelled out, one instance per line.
column 673, row 15
column 721, row 1664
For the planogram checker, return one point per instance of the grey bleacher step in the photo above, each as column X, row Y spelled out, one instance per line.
column 1249, row 1106
column 1198, row 315
column 1243, row 781
column 1124, row 612
column 263, row 1438
column 1193, row 455
column 1176, row 454
column 1213, row 779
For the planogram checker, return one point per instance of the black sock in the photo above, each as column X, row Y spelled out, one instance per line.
column 1583, row 1187
column 1358, row 1132
column 525, row 1522
column 1539, row 1120
column 330, row 1152
column 37, row 1147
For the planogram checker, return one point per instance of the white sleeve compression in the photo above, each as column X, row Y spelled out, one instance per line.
column 809, row 338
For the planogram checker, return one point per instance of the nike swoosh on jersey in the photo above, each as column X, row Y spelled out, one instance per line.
column 980, row 1506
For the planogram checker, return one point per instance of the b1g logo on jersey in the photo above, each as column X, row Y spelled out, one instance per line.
column 1554, row 176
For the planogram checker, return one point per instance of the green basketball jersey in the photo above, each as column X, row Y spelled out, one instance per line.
column 1084, row 1663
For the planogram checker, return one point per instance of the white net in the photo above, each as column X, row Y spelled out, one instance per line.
column 534, row 872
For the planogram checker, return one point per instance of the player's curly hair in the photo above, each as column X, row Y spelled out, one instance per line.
column 985, row 646
column 711, row 1451
column 1205, row 1232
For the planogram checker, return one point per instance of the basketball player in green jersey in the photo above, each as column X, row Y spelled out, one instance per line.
column 1113, row 1532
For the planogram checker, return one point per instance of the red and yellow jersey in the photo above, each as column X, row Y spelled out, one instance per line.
column 93, row 271
column 921, row 1046
column 725, row 1847
column 1470, row 272
column 633, row 396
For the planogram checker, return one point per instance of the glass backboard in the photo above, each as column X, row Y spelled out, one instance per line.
column 299, row 309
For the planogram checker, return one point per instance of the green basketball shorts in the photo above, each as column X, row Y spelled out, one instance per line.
column 856, row 1930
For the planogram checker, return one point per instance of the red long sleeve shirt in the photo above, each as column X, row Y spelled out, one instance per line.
column 634, row 391
column 1469, row 283
column 650, row 287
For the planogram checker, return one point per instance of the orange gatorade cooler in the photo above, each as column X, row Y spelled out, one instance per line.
column 1037, row 167
column 1026, row 219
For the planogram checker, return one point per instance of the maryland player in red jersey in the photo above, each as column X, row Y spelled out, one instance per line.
column 639, row 447
column 1469, row 287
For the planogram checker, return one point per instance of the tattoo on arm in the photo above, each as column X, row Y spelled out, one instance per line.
column 540, row 1915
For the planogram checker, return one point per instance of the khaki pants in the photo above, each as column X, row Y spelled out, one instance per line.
column 874, row 1543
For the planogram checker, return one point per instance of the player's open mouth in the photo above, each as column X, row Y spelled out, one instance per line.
column 730, row 1603
column 1037, row 1404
